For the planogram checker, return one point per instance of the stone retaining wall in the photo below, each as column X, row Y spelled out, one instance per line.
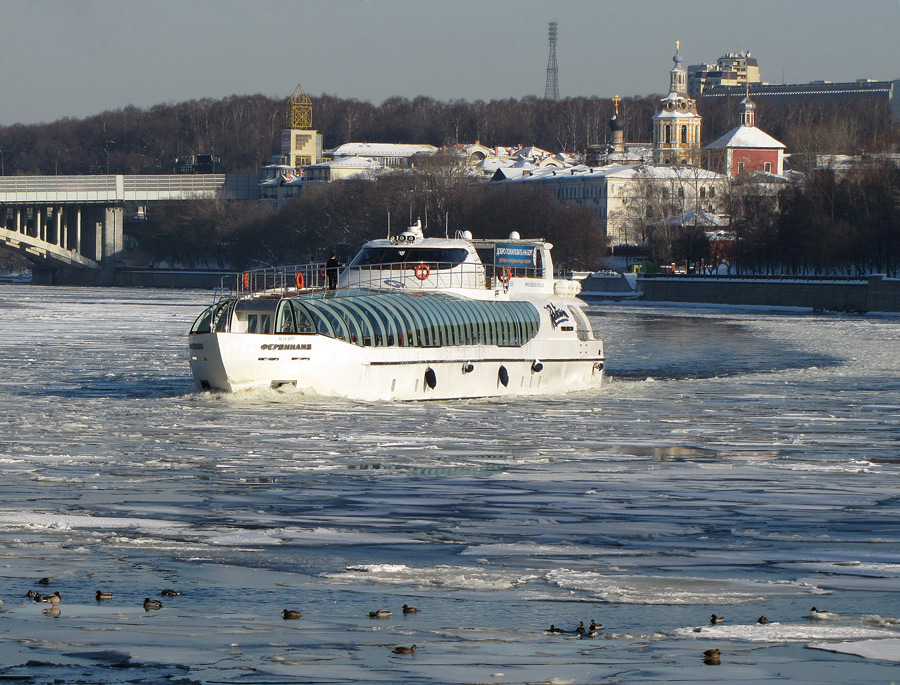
column 874, row 294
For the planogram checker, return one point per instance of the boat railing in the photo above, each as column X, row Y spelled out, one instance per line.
column 288, row 281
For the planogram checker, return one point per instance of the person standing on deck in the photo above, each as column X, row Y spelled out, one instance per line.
column 331, row 270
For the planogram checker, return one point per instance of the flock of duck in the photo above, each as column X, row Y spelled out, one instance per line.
column 154, row 604
column 593, row 630
column 815, row 614
column 101, row 596
column 711, row 657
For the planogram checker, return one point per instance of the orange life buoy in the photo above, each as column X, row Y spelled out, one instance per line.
column 300, row 281
column 422, row 271
column 505, row 275
column 246, row 281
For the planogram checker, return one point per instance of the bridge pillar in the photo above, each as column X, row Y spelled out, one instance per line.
column 113, row 221
column 97, row 235
column 58, row 215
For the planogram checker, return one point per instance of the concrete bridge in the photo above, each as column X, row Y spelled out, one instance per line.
column 73, row 225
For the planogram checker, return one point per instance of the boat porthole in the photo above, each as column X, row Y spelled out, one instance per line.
column 503, row 376
column 536, row 366
column 468, row 367
column 430, row 378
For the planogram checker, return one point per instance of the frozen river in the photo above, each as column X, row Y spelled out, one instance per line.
column 741, row 463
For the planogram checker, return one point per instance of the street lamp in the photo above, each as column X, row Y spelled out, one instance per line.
column 106, row 147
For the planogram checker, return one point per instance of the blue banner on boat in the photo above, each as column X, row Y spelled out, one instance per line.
column 521, row 256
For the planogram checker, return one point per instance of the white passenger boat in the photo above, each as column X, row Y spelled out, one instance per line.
column 410, row 318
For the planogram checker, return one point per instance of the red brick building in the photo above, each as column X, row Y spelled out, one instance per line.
column 745, row 148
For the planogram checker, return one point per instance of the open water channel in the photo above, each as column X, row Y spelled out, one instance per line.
column 740, row 462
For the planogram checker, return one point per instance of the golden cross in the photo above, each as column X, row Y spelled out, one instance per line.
column 677, row 46
column 616, row 100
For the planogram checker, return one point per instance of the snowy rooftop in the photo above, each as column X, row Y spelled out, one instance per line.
column 694, row 218
column 624, row 171
column 381, row 150
column 350, row 163
column 746, row 137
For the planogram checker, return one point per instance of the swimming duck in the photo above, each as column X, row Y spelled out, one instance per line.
column 409, row 610
column 712, row 657
column 716, row 619
column 53, row 599
column 290, row 613
column 554, row 629
column 170, row 593
column 52, row 611
column 381, row 613
column 404, row 650
column 762, row 620
column 580, row 629
column 595, row 626
column 152, row 604
column 820, row 614
column 44, row 581
column 30, row 594
column 101, row 595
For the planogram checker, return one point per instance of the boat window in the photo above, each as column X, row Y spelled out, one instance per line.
column 322, row 324
column 285, row 318
column 302, row 319
column 221, row 315
column 202, row 324
column 356, row 326
column 438, row 258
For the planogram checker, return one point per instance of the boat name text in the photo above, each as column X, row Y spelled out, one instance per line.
column 285, row 346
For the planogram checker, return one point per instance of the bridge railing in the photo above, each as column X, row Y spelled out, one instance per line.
column 121, row 188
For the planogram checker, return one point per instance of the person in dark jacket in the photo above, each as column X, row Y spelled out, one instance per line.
column 331, row 270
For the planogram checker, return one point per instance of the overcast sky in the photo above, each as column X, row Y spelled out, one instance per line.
column 75, row 58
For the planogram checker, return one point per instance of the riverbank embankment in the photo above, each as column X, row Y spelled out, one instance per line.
column 871, row 294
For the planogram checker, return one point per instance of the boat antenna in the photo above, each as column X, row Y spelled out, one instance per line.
column 446, row 224
column 389, row 225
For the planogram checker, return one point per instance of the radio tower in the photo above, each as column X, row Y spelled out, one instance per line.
column 551, row 92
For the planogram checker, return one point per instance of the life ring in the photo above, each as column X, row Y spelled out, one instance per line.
column 422, row 271
column 246, row 281
column 505, row 275
column 301, row 282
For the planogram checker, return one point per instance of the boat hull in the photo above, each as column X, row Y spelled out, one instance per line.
column 319, row 365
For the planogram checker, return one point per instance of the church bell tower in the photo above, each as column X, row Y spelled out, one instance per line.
column 676, row 126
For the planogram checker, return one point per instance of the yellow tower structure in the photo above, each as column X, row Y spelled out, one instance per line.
column 298, row 112
column 300, row 145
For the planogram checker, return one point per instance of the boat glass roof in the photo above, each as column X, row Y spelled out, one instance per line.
column 422, row 319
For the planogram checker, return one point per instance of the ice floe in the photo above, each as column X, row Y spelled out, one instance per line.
column 451, row 577
column 632, row 589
